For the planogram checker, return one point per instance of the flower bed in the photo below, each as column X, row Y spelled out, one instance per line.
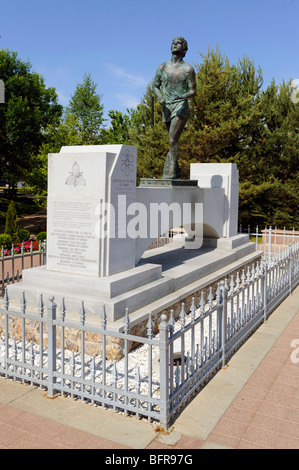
column 17, row 249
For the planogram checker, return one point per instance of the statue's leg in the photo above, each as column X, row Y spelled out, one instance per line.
column 175, row 128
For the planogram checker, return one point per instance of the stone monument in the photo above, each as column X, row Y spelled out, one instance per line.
column 99, row 225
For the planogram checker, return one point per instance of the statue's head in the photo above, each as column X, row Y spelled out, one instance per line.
column 183, row 42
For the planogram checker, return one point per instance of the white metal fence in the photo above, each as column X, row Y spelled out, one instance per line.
column 15, row 262
column 162, row 374
column 271, row 239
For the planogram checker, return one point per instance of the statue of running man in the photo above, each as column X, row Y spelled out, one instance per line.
column 174, row 84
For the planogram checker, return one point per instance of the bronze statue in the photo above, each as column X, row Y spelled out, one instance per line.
column 174, row 84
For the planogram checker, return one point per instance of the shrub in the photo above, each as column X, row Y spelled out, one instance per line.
column 5, row 241
column 41, row 236
column 11, row 225
column 24, row 235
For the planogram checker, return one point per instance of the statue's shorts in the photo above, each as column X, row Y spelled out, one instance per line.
column 179, row 109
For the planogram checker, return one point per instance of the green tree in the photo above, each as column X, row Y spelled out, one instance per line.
column 11, row 225
column 63, row 134
column 149, row 135
column 29, row 107
column 269, row 195
column 86, row 105
column 119, row 130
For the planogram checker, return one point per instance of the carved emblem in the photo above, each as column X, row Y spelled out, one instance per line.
column 76, row 177
column 127, row 163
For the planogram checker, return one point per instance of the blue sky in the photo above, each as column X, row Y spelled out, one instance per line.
column 121, row 42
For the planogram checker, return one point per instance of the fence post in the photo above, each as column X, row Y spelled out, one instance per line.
column 290, row 269
column 51, row 326
column 223, row 320
column 264, row 286
column 164, row 371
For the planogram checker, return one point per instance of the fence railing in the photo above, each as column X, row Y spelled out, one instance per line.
column 14, row 263
column 163, row 372
column 271, row 239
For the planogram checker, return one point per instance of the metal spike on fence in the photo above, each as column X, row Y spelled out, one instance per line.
column 226, row 283
column 18, row 276
column 82, row 314
column 210, row 297
column 127, row 322
column 6, row 299
column 23, row 303
column 41, row 305
column 171, row 322
column 182, row 316
column 202, row 303
column 238, row 280
column 232, row 284
column 192, row 309
column 218, row 294
column 243, row 277
column 248, row 274
column 150, row 326
column 104, row 318
column 62, row 310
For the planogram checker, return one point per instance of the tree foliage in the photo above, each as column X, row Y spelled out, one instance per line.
column 29, row 107
column 232, row 119
column 86, row 106
column 11, row 225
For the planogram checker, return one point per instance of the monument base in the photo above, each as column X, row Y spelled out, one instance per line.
column 161, row 272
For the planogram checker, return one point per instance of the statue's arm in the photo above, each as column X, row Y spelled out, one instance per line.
column 157, row 86
column 191, row 84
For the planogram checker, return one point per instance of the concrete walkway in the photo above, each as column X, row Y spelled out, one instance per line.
column 251, row 404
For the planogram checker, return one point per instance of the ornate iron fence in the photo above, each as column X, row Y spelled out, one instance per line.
column 15, row 262
column 164, row 371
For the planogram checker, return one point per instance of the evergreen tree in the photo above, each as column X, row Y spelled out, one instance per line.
column 11, row 225
column 86, row 105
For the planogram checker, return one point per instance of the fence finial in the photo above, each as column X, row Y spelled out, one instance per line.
column 150, row 326
column 193, row 309
column 41, row 305
column 104, row 318
column 82, row 313
column 182, row 315
column 127, row 321
column 23, row 302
